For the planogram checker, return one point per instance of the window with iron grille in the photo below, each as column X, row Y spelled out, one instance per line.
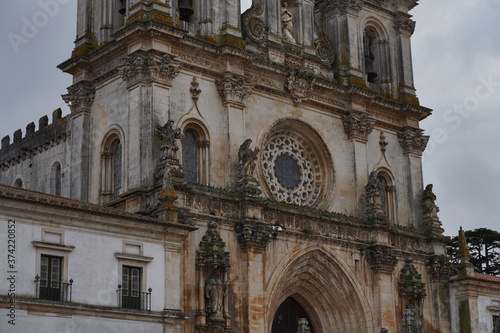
column 189, row 157
column 496, row 324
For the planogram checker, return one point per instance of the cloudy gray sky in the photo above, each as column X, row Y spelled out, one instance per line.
column 456, row 55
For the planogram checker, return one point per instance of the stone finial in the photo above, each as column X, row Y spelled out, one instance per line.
column 300, row 84
column 411, row 286
column 462, row 243
column 195, row 90
column 465, row 267
column 412, row 141
column 233, row 90
column 358, row 126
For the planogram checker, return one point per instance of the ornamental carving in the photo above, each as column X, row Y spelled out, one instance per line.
column 233, row 90
column 253, row 26
column 324, row 48
column 212, row 263
column 404, row 24
column 411, row 286
column 413, row 141
column 247, row 158
column 296, row 165
column 374, row 190
column 343, row 6
column 254, row 235
column 357, row 126
column 80, row 96
column 431, row 220
column 300, row 83
column 438, row 267
column 195, row 90
column 381, row 258
column 144, row 67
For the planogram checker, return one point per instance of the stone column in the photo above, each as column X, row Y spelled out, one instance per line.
column 382, row 261
column 358, row 127
column 149, row 79
column 234, row 90
column 413, row 143
column 79, row 98
column 405, row 27
column 253, row 236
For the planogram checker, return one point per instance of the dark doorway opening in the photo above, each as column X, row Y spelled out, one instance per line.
column 287, row 317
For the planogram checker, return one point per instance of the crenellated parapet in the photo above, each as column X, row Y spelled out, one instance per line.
column 34, row 142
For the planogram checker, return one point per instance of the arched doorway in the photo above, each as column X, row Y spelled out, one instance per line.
column 287, row 317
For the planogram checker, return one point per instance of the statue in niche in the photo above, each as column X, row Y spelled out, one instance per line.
column 247, row 158
column 409, row 324
column 286, row 24
column 170, row 137
column 369, row 57
column 428, row 203
column 374, row 189
column 215, row 290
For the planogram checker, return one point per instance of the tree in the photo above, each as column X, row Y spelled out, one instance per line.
column 484, row 247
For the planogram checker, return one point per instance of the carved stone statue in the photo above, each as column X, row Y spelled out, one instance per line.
column 303, row 326
column 374, row 190
column 215, row 290
column 369, row 57
column 428, row 203
column 247, row 158
column 170, row 136
column 409, row 324
column 286, row 24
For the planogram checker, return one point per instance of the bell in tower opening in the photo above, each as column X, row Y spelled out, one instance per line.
column 185, row 10
column 369, row 57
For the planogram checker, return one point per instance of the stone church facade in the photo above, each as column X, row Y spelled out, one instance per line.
column 221, row 172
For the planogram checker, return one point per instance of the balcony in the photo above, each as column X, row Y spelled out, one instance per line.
column 134, row 300
column 53, row 290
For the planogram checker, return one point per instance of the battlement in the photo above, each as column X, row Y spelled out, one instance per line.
column 48, row 135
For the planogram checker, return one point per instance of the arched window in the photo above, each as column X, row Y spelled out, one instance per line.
column 189, row 157
column 111, row 169
column 55, row 179
column 388, row 195
column 376, row 56
column 18, row 183
column 195, row 154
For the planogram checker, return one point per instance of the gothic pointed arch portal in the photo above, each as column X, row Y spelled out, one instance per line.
column 288, row 316
column 326, row 290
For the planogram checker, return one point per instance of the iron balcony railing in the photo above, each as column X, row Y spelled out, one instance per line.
column 136, row 300
column 53, row 290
